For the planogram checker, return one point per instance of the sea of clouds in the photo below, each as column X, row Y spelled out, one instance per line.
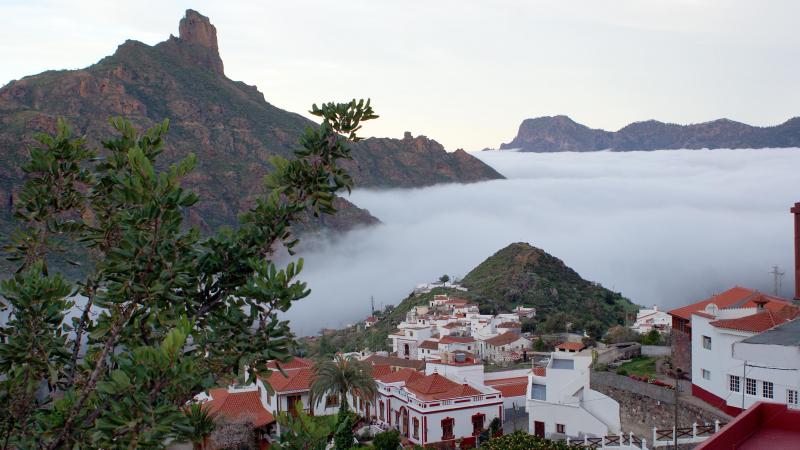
column 662, row 227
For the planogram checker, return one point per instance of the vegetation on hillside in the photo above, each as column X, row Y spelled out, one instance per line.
column 523, row 275
column 524, row 441
column 165, row 313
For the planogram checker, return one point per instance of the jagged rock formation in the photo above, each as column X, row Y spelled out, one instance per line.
column 560, row 133
column 228, row 124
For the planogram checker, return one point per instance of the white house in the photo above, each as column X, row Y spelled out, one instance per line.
column 652, row 319
column 523, row 312
column 432, row 408
column 503, row 347
column 772, row 361
column 718, row 377
column 561, row 403
column 405, row 341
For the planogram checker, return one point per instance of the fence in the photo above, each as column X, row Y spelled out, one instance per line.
column 618, row 441
column 665, row 437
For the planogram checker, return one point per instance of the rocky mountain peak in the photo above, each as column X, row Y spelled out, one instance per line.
column 196, row 29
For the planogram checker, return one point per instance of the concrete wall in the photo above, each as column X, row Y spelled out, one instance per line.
column 656, row 350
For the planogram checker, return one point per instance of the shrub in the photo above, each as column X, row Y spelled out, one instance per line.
column 388, row 440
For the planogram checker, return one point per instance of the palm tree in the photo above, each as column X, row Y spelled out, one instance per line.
column 342, row 376
column 202, row 425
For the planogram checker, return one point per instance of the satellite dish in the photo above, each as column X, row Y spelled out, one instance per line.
column 712, row 308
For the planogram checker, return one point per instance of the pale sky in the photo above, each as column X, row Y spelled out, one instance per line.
column 465, row 73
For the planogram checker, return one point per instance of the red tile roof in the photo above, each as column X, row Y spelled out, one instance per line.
column 576, row 346
column 504, row 381
column 540, row 371
column 371, row 319
column 510, row 325
column 429, row 344
column 758, row 322
column 456, row 340
column 395, row 361
column 503, row 339
column 456, row 301
column 513, row 390
column 404, row 375
column 294, row 380
column 452, row 325
column 437, row 387
column 238, row 406
column 737, row 297
column 379, row 370
column 294, row 363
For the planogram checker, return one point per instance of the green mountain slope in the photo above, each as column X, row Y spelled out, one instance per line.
column 521, row 274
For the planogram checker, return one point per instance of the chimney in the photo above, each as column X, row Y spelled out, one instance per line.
column 796, row 211
column 760, row 302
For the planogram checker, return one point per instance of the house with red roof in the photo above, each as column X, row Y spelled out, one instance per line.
column 236, row 406
column 570, row 347
column 718, row 377
column 736, row 297
column 370, row 321
column 504, row 347
column 431, row 408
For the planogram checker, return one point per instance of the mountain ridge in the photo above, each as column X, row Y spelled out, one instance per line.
column 228, row 124
column 561, row 133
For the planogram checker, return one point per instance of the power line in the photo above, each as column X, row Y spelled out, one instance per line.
column 777, row 279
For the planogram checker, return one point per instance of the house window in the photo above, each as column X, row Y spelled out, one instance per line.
column 560, row 428
column 405, row 350
column 416, row 428
column 331, row 401
column 791, row 397
column 706, row 342
column 706, row 374
column 734, row 383
column 447, row 429
column 750, row 386
column 766, row 389
column 477, row 424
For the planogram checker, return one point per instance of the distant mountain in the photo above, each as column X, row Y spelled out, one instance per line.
column 562, row 134
column 229, row 125
column 523, row 275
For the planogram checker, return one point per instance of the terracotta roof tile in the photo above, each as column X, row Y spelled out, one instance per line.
column 504, row 381
column 513, row 390
column 510, row 325
column 294, row 363
column 295, row 379
column 758, row 322
column 737, row 297
column 395, row 361
column 238, row 406
column 576, row 346
column 503, row 339
column 429, row 345
column 404, row 375
column 456, row 340
column 438, row 387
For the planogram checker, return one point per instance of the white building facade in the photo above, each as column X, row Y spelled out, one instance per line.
column 560, row 402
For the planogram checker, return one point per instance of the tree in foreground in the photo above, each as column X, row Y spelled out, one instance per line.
column 303, row 431
column 162, row 312
column 341, row 376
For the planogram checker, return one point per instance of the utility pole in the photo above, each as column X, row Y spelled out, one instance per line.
column 372, row 305
column 777, row 278
column 675, row 430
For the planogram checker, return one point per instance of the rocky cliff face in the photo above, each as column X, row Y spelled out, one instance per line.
column 560, row 133
column 228, row 124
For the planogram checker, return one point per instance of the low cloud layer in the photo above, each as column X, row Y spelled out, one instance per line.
column 663, row 227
